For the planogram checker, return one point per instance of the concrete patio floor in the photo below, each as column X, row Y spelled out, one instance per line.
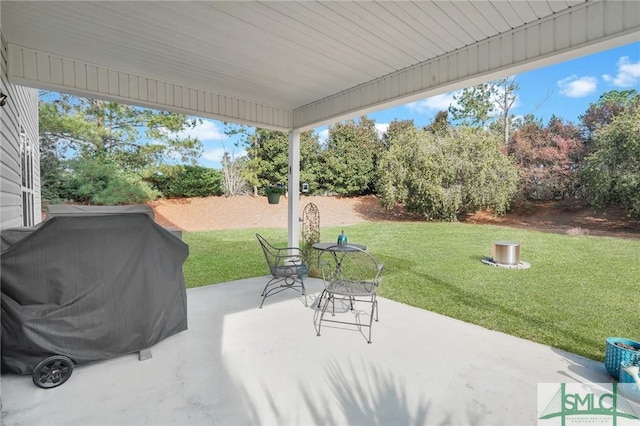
column 237, row 364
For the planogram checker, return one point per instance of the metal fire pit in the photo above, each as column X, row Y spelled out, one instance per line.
column 506, row 253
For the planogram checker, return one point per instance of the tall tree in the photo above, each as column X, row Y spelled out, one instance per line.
column 506, row 97
column 268, row 158
column 89, row 133
column 548, row 157
column 133, row 138
column 310, row 160
column 53, row 173
column 396, row 129
column 474, row 105
column 233, row 180
column 612, row 171
column 440, row 123
column 609, row 105
column 351, row 156
column 487, row 103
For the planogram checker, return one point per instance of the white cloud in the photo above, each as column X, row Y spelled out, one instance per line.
column 172, row 155
column 434, row 103
column 628, row 74
column 323, row 135
column 444, row 101
column 215, row 154
column 577, row 87
column 206, row 131
column 382, row 128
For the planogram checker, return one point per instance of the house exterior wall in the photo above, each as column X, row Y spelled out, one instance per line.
column 20, row 201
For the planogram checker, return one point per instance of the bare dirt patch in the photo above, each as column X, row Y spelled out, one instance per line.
column 216, row 213
column 213, row 213
column 573, row 218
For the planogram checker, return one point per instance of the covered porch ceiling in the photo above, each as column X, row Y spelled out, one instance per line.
column 289, row 65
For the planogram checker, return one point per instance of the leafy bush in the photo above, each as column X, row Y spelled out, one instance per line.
column 350, row 158
column 186, row 181
column 447, row 174
column 124, row 190
column 549, row 159
column 102, row 183
column 612, row 171
column 267, row 160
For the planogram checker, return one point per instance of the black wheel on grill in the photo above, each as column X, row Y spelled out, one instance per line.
column 52, row 371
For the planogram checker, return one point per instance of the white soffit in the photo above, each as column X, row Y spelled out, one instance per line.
column 295, row 64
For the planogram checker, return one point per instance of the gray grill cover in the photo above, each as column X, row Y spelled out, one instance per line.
column 55, row 210
column 90, row 288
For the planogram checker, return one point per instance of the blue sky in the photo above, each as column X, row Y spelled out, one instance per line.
column 564, row 89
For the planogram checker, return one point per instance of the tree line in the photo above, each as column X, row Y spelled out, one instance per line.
column 476, row 155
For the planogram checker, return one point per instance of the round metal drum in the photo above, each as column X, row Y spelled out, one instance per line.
column 506, row 253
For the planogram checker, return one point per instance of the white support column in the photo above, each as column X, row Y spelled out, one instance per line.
column 293, row 210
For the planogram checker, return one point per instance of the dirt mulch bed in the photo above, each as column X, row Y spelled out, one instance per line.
column 573, row 218
column 216, row 213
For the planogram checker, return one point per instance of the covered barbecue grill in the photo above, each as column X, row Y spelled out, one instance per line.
column 83, row 288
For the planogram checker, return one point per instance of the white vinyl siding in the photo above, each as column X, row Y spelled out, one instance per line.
column 18, row 121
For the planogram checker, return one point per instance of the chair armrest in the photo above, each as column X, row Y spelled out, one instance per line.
column 290, row 250
column 284, row 256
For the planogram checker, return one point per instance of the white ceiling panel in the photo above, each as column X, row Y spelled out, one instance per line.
column 492, row 15
column 439, row 27
column 509, row 13
column 541, row 7
column 281, row 54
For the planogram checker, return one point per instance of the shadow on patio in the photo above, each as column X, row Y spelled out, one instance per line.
column 238, row 364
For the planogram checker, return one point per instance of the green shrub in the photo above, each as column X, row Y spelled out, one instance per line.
column 102, row 183
column 447, row 174
column 612, row 171
column 187, row 181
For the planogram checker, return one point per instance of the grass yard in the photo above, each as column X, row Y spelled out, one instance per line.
column 578, row 291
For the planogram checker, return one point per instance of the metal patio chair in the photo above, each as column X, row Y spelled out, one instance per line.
column 288, row 267
column 352, row 277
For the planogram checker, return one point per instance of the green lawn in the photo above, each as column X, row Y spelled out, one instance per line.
column 578, row 291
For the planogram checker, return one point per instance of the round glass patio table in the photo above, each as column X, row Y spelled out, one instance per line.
column 334, row 247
